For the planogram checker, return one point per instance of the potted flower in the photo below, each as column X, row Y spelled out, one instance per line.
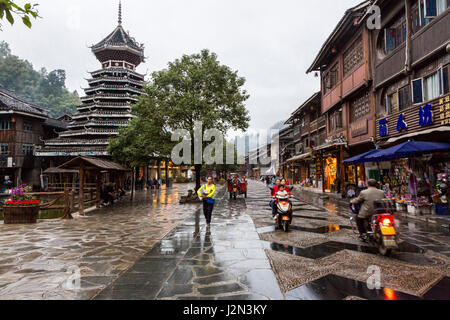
column 21, row 208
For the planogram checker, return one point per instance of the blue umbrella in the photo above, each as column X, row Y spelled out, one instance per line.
column 362, row 157
column 406, row 150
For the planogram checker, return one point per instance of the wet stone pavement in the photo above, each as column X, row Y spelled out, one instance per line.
column 225, row 261
column 322, row 258
column 76, row 259
column 159, row 249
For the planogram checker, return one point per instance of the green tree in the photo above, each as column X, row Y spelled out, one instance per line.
column 44, row 89
column 146, row 137
column 9, row 9
column 199, row 88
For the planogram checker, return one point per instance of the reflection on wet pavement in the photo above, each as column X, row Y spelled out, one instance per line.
column 334, row 287
column 324, row 257
column 226, row 261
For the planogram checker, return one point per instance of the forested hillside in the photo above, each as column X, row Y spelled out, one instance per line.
column 45, row 89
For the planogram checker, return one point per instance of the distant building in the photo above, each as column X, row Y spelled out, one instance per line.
column 23, row 127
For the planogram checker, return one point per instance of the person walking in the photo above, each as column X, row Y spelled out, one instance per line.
column 207, row 194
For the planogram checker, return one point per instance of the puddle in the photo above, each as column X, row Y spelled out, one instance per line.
column 333, row 287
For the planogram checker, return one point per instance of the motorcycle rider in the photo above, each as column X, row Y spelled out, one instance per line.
column 282, row 193
column 367, row 199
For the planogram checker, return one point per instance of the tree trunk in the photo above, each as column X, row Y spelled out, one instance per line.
column 198, row 170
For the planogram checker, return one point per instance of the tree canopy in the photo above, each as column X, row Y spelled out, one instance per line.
column 195, row 88
column 146, row 138
column 9, row 9
column 45, row 89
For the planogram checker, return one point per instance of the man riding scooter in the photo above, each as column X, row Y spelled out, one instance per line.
column 367, row 199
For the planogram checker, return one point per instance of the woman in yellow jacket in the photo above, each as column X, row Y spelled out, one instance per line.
column 207, row 194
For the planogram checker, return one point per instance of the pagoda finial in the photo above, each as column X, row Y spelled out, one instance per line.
column 120, row 13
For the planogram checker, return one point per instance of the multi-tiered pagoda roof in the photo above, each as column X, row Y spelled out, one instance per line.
column 106, row 105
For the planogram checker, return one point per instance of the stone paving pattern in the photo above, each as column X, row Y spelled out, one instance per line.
column 39, row 261
column 159, row 249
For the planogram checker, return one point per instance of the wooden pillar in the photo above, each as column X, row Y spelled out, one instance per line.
column 67, row 205
column 99, row 190
column 341, row 169
column 81, row 191
column 74, row 182
column 158, row 164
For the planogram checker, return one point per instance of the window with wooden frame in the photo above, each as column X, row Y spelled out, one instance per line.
column 331, row 78
column 354, row 56
column 430, row 87
column 4, row 149
column 5, row 124
column 404, row 98
column 27, row 126
column 360, row 107
column 27, row 150
column 392, row 103
column 395, row 35
column 335, row 120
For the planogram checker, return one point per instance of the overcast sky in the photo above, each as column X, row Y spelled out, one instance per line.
column 270, row 43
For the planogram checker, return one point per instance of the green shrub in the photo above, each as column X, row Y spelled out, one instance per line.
column 181, row 179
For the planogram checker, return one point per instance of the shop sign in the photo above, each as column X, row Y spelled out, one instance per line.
column 426, row 116
column 401, row 123
column 383, row 129
column 444, row 108
column 319, row 165
column 359, row 128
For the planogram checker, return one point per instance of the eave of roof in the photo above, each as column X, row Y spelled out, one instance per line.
column 317, row 63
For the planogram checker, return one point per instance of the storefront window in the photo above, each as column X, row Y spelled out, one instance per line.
column 330, row 174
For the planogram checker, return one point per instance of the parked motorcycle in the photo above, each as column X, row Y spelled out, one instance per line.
column 381, row 227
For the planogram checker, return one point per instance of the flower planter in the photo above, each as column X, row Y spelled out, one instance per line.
column 21, row 214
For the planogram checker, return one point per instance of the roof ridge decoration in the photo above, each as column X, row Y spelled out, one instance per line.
column 120, row 13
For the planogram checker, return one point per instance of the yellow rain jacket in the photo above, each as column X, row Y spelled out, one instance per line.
column 209, row 190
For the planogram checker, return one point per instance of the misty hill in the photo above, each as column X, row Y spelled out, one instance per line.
column 45, row 89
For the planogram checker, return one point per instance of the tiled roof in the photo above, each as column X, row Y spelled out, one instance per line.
column 119, row 38
column 11, row 102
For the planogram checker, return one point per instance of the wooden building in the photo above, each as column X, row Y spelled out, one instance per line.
column 309, row 132
column 411, row 71
column 23, row 127
column 344, row 63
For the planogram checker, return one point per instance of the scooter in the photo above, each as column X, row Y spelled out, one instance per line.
column 381, row 229
column 235, row 190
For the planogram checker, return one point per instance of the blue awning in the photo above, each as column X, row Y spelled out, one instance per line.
column 406, row 150
column 362, row 157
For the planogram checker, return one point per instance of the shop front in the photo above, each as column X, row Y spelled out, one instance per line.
column 413, row 174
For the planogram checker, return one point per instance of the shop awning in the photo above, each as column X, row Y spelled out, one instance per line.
column 362, row 157
column 299, row 157
column 406, row 150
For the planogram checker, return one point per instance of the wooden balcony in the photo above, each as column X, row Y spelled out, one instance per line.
column 349, row 84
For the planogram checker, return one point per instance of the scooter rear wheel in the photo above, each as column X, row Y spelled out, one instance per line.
column 286, row 226
column 384, row 251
